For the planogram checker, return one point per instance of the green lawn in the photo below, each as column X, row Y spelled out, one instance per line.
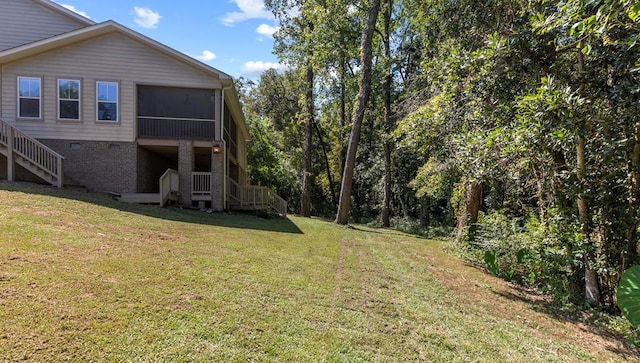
column 85, row 278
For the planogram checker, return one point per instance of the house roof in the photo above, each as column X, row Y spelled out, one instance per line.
column 98, row 29
column 95, row 30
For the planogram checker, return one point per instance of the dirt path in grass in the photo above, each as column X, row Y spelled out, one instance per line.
column 507, row 301
column 350, row 275
column 339, row 273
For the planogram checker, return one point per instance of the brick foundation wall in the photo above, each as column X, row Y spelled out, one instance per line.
column 99, row 166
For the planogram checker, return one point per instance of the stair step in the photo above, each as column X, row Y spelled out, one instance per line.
column 36, row 170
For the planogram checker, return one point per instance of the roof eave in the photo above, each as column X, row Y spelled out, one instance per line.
column 57, row 41
column 66, row 12
column 44, row 45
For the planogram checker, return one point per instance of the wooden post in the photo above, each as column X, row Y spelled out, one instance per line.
column 59, row 173
column 10, row 162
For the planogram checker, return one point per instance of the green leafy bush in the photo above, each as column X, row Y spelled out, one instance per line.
column 628, row 295
column 412, row 226
column 505, row 247
column 491, row 261
column 523, row 250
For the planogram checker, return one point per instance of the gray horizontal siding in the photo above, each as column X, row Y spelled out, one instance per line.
column 25, row 21
column 112, row 57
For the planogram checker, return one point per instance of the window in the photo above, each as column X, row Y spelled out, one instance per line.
column 29, row 97
column 107, row 97
column 68, row 99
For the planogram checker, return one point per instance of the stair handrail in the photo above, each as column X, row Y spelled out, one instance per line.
column 32, row 150
column 4, row 133
column 169, row 183
column 259, row 197
column 277, row 203
column 235, row 192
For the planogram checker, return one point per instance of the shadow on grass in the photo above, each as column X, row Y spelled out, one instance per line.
column 585, row 321
column 173, row 213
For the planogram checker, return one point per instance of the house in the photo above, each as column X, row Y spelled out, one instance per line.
column 102, row 106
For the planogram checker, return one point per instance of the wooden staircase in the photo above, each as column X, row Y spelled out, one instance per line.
column 169, row 191
column 31, row 154
column 256, row 198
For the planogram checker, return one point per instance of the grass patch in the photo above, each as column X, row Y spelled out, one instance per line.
column 85, row 278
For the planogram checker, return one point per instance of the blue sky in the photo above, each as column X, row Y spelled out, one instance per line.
column 234, row 36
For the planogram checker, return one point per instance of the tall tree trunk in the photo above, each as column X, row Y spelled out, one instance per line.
column 342, row 215
column 305, row 208
column 343, row 111
column 634, row 195
column 327, row 165
column 424, row 212
column 386, row 201
column 591, row 285
column 404, row 202
column 468, row 218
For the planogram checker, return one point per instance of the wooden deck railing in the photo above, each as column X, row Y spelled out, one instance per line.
column 254, row 197
column 4, row 133
column 174, row 128
column 234, row 191
column 263, row 198
column 169, row 186
column 201, row 183
column 36, row 154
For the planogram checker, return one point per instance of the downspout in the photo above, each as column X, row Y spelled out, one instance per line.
column 224, row 150
column 1, row 82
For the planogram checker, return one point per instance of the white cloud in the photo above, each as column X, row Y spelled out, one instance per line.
column 206, row 56
column 268, row 30
column 249, row 9
column 73, row 8
column 254, row 69
column 146, row 17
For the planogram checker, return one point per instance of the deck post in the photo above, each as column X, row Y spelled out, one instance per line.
column 11, row 173
column 59, row 173
column 217, row 181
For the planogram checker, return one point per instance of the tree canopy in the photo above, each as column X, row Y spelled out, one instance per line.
column 513, row 124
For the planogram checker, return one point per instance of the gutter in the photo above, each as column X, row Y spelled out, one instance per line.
column 225, row 166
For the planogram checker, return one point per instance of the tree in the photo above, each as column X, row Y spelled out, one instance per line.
column 295, row 43
column 270, row 108
column 342, row 215
column 502, row 110
column 388, row 123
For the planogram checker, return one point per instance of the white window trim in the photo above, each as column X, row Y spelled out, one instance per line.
column 117, row 118
column 79, row 100
column 30, row 98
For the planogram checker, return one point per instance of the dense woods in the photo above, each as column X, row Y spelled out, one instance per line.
column 513, row 125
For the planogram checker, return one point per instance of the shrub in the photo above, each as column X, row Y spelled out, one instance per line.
column 528, row 252
column 628, row 296
column 412, row 226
